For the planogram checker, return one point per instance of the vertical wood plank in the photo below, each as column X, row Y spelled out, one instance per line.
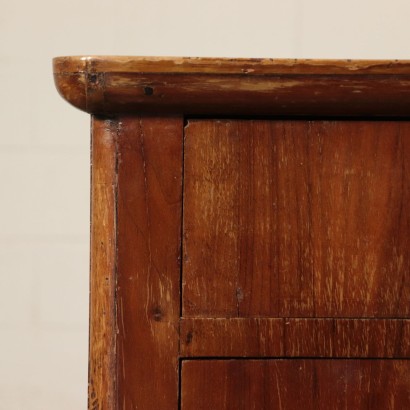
column 101, row 387
column 211, row 219
column 149, row 237
column 361, row 170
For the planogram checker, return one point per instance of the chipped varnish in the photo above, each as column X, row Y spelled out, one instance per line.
column 203, row 86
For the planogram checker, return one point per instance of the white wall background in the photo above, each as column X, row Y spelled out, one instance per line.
column 44, row 147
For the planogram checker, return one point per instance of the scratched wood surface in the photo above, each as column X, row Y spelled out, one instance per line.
column 101, row 386
column 233, row 66
column 291, row 337
column 206, row 86
column 295, row 384
column 288, row 218
column 149, row 246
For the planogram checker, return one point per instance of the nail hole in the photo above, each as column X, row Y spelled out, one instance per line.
column 93, row 78
column 148, row 90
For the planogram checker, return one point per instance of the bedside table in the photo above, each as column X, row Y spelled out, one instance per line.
column 250, row 232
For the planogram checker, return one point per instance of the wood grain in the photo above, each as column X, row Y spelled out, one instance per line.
column 191, row 86
column 149, row 241
column 296, row 219
column 293, row 384
column 294, row 233
column 102, row 382
column 232, row 337
column 248, row 66
column 289, row 337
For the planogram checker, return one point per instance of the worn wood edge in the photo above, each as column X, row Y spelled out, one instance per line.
column 295, row 337
column 102, row 339
column 70, row 80
column 73, row 89
column 241, row 66
column 204, row 86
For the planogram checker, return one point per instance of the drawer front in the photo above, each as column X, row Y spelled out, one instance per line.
column 295, row 384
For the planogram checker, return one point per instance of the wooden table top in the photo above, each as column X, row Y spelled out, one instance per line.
column 245, row 87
